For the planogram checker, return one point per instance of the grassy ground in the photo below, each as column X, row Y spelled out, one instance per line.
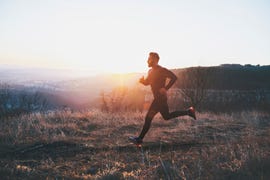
column 93, row 145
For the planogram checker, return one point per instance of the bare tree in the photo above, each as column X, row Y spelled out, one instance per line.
column 116, row 98
column 122, row 99
column 104, row 105
column 194, row 84
column 5, row 96
column 15, row 102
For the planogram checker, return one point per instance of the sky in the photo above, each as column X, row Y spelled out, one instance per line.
column 97, row 36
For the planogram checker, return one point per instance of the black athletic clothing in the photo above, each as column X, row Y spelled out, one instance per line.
column 159, row 105
column 157, row 79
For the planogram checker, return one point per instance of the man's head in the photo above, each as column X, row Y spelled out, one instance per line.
column 153, row 59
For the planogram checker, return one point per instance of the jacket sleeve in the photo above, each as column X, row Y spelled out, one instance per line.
column 172, row 78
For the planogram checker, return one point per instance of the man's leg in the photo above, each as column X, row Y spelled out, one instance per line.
column 148, row 119
column 164, row 111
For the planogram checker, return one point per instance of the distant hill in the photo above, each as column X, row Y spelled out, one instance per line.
column 232, row 77
column 62, row 90
column 226, row 76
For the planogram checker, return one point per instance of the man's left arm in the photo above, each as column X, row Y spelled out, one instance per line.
column 172, row 78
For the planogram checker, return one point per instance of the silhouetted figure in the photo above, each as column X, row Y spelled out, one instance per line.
column 156, row 78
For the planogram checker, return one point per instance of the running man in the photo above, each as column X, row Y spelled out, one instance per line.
column 156, row 78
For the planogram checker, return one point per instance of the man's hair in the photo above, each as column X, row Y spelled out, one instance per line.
column 154, row 55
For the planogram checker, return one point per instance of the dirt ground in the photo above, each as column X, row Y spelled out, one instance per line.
column 94, row 145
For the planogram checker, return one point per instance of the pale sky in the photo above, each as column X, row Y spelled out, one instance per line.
column 116, row 36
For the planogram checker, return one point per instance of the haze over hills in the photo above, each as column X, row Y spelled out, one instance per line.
column 226, row 76
column 63, row 87
column 17, row 74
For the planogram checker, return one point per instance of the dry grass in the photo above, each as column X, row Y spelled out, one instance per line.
column 93, row 145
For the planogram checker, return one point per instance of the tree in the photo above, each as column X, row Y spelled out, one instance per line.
column 5, row 97
column 104, row 105
column 15, row 102
column 193, row 84
column 122, row 98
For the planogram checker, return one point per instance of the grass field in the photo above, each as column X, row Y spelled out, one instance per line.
column 93, row 145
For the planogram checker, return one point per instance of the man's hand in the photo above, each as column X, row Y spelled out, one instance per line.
column 141, row 80
column 163, row 91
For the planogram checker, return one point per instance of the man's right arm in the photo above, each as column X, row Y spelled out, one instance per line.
column 145, row 81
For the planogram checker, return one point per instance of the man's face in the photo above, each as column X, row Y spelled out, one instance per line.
column 151, row 61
